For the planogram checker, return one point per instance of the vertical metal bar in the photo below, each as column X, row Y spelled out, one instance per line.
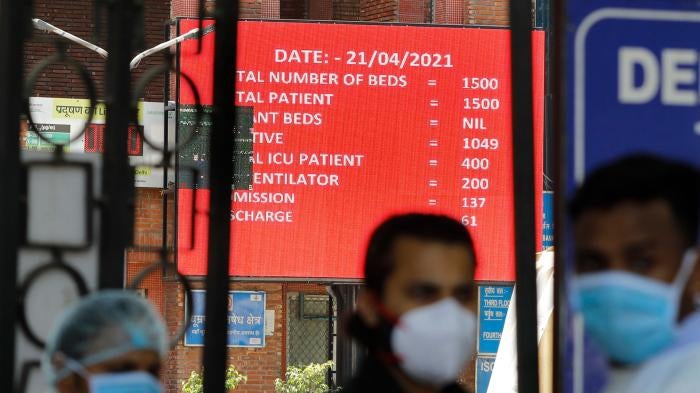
column 166, row 123
column 331, row 336
column 13, row 23
column 542, row 8
column 544, row 13
column 176, row 99
column 524, row 180
column 221, row 175
column 558, row 91
column 117, row 191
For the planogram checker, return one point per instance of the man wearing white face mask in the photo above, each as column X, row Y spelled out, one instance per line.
column 111, row 341
column 636, row 231
column 417, row 314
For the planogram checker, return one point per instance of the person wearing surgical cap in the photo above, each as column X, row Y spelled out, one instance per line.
column 107, row 342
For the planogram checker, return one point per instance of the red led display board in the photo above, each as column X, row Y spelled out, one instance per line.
column 352, row 123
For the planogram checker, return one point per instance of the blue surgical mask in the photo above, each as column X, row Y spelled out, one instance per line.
column 119, row 382
column 631, row 316
column 124, row 382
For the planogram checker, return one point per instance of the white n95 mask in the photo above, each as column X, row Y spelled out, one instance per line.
column 433, row 343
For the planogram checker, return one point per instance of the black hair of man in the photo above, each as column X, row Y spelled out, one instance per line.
column 642, row 178
column 379, row 261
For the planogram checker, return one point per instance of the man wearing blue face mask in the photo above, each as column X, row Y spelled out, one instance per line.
column 417, row 314
column 636, row 253
column 111, row 341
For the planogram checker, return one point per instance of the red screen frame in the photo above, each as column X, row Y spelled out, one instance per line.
column 331, row 224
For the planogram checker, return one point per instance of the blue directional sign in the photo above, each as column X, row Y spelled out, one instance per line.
column 547, row 219
column 484, row 369
column 633, row 85
column 493, row 307
column 246, row 319
column 633, row 81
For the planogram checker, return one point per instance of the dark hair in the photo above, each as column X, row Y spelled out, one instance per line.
column 644, row 178
column 379, row 261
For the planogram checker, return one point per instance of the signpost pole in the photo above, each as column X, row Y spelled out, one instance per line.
column 558, row 170
column 221, row 175
column 116, row 225
column 524, row 194
column 13, row 26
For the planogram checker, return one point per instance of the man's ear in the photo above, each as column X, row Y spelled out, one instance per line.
column 366, row 308
column 694, row 280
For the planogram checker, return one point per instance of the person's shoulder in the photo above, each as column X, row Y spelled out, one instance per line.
column 673, row 371
column 689, row 331
column 372, row 377
column 367, row 384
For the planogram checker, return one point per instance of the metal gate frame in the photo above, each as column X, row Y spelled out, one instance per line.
column 116, row 226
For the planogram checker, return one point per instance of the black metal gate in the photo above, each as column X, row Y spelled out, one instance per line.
column 113, row 202
column 107, row 183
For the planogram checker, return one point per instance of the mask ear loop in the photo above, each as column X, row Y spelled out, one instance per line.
column 694, row 254
column 687, row 265
column 686, row 270
column 71, row 365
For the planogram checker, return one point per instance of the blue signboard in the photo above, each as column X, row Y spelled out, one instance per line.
column 633, row 81
column 246, row 319
column 547, row 220
column 632, row 72
column 484, row 368
column 493, row 307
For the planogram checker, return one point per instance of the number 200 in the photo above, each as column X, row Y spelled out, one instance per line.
column 475, row 183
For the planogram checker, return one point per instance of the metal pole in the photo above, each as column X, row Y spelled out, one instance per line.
column 561, row 309
column 117, row 190
column 331, row 338
column 166, row 123
column 524, row 180
column 221, row 175
column 13, row 26
column 49, row 28
column 542, row 13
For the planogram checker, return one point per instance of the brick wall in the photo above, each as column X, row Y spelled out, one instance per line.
column 415, row 11
column 469, row 12
column 320, row 9
column 268, row 9
column 293, row 9
column 346, row 10
column 262, row 366
column 76, row 17
column 486, row 12
column 379, row 10
column 148, row 235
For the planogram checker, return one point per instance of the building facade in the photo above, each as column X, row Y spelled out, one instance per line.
column 302, row 316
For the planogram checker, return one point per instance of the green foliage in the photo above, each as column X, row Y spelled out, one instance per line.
column 307, row 379
column 193, row 384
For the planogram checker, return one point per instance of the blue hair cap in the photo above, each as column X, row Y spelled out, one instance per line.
column 101, row 326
